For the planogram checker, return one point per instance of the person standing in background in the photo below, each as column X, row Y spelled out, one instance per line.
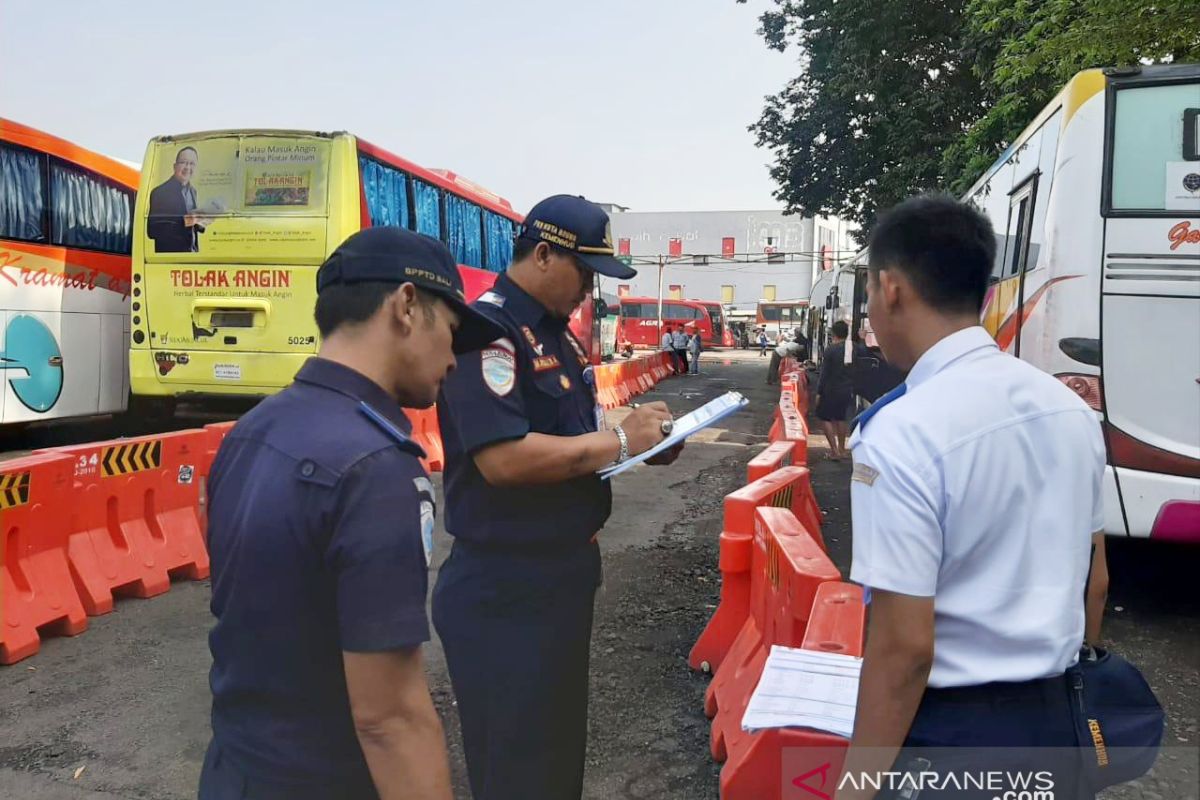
column 835, row 392
column 679, row 340
column 694, row 346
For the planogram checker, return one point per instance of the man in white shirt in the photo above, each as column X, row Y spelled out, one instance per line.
column 668, row 346
column 975, row 495
column 679, row 340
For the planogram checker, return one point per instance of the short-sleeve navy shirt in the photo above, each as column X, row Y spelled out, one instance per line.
column 319, row 522
column 535, row 380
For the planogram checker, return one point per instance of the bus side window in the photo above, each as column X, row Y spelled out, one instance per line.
column 22, row 195
column 427, row 207
column 498, row 241
column 88, row 211
column 464, row 231
column 386, row 192
column 1020, row 222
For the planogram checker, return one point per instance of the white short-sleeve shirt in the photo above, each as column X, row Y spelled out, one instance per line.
column 980, row 487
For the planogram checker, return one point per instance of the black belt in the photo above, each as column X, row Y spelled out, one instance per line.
column 1052, row 689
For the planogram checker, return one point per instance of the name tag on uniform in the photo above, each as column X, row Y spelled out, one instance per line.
column 864, row 474
column 543, row 363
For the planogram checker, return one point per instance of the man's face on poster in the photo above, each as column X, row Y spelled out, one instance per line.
column 185, row 165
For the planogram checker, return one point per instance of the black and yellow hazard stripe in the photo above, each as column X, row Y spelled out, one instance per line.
column 773, row 562
column 123, row 459
column 782, row 498
column 14, row 489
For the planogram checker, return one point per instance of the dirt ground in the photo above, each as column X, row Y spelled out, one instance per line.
column 128, row 700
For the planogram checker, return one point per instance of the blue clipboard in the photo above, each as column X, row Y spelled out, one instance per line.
column 705, row 416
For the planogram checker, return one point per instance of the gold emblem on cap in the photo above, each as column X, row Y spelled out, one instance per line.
column 565, row 381
column 608, row 234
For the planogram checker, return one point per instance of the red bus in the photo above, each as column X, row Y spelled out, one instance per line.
column 638, row 320
column 722, row 335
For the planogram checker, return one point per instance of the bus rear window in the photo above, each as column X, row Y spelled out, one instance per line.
column 1155, row 164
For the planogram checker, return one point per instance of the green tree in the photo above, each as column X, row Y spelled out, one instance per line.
column 897, row 97
column 882, row 91
column 1029, row 48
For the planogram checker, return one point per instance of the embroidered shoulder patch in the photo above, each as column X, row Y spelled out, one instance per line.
column 864, row 474
column 499, row 364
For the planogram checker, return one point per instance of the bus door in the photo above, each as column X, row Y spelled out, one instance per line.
column 1150, row 304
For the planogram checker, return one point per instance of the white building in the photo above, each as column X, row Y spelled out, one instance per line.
column 734, row 257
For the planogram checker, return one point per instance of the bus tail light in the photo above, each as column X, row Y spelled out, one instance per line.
column 1088, row 388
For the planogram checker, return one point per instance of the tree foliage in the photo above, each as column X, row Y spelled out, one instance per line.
column 896, row 97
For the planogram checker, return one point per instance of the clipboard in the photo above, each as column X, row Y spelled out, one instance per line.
column 706, row 415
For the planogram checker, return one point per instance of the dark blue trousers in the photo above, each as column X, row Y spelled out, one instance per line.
column 1005, row 728
column 221, row 779
column 516, row 629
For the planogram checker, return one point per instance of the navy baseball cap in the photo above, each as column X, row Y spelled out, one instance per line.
column 579, row 226
column 398, row 255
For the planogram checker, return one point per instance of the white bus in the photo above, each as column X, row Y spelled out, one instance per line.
column 1096, row 208
column 65, row 238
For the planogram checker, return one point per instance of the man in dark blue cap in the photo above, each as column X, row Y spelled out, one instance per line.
column 320, row 530
column 524, row 437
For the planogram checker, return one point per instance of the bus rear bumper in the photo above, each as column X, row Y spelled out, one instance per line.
column 1162, row 507
column 161, row 373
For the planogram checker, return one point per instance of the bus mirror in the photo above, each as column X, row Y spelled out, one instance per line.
column 601, row 308
column 828, row 303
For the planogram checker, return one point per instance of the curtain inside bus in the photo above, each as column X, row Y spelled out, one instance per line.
column 427, row 203
column 22, row 199
column 463, row 225
column 88, row 213
column 386, row 190
column 499, row 241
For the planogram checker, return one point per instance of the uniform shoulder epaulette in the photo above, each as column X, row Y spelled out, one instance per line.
column 385, row 425
column 493, row 298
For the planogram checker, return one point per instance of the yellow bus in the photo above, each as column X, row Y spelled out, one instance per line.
column 230, row 228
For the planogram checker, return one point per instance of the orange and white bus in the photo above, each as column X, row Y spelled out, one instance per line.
column 232, row 226
column 66, row 217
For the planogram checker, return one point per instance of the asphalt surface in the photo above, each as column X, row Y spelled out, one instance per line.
column 127, row 701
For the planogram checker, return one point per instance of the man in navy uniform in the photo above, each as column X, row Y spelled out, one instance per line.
column 524, row 437
column 976, row 496
column 320, row 526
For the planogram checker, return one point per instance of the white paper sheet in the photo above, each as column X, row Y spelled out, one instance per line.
column 711, row 412
column 805, row 689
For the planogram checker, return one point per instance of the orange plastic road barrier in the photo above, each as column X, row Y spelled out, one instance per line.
column 756, row 763
column 36, row 589
column 789, row 426
column 795, row 385
column 214, row 435
column 605, row 386
column 776, row 456
column 428, row 435
column 661, row 370
column 789, row 488
column 648, row 370
column 788, row 566
column 641, row 374
column 135, row 517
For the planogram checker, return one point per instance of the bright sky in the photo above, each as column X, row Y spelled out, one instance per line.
column 639, row 102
